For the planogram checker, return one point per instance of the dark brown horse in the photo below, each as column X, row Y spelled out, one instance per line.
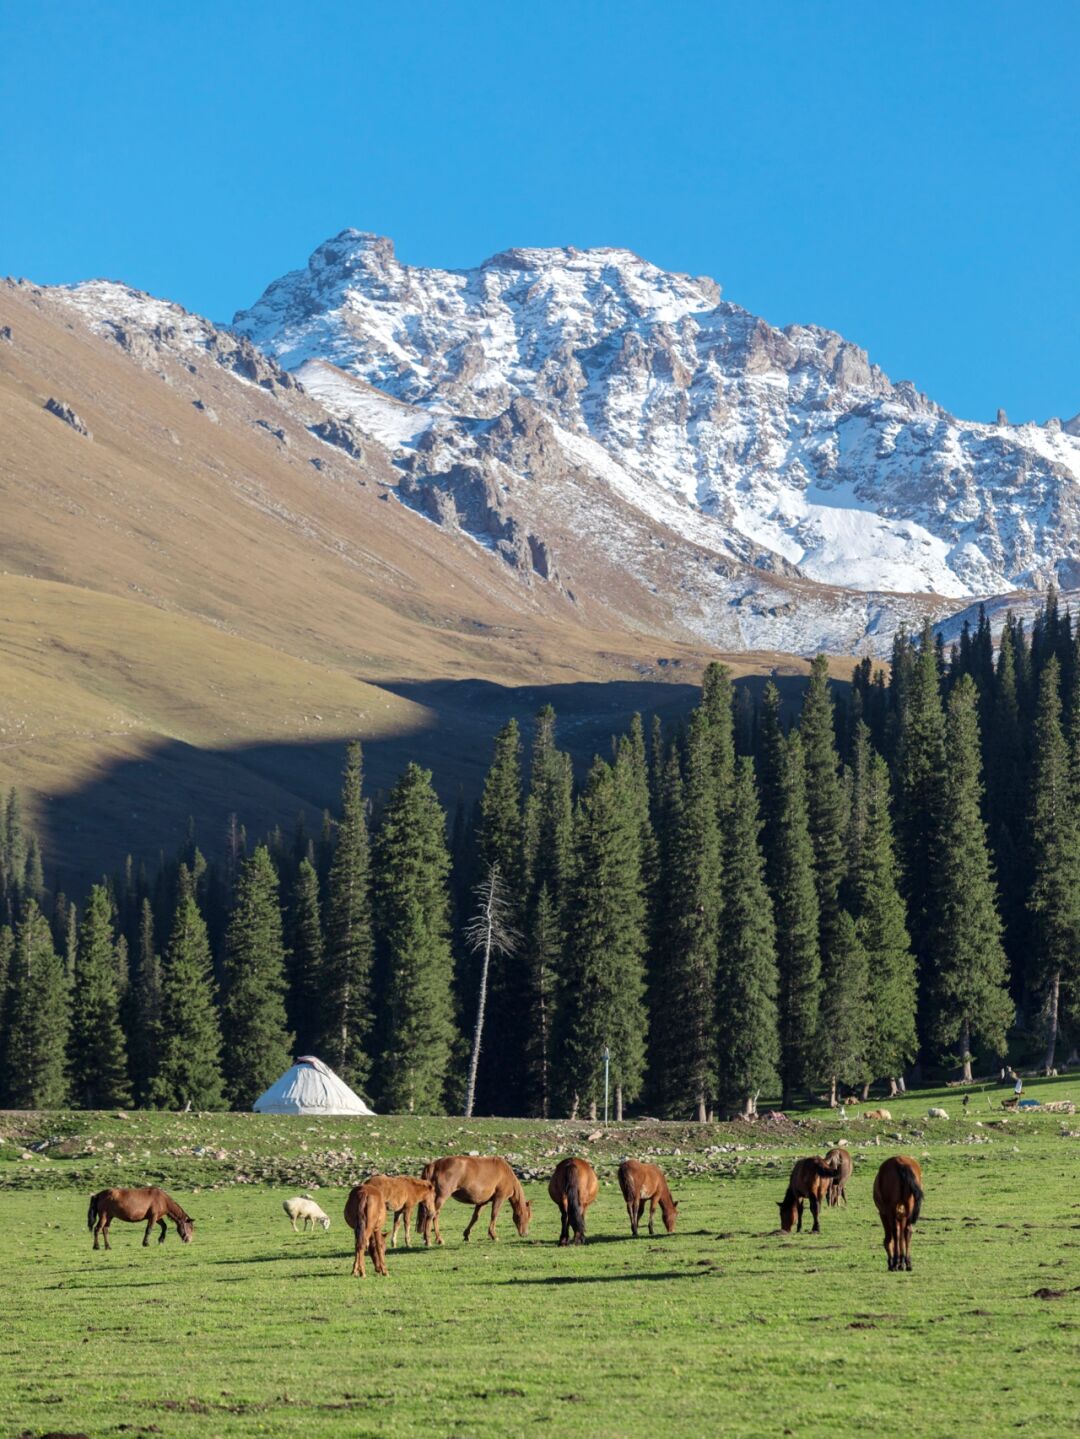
column 365, row 1214
column 135, row 1205
column 898, row 1195
column 402, row 1194
column 841, row 1162
column 810, row 1180
column 573, row 1187
column 475, row 1180
column 645, row 1182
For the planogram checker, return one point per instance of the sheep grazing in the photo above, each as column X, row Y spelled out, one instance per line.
column 304, row 1207
column 937, row 1114
column 877, row 1114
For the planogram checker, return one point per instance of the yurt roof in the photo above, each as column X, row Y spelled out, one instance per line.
column 310, row 1087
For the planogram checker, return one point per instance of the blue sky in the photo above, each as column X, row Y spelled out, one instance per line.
column 908, row 175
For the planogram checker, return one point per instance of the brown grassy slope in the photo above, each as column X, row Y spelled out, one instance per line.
column 193, row 616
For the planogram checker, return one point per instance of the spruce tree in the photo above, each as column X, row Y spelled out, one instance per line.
column 1055, row 835
column 38, row 1018
column 878, row 909
column 305, row 959
column 346, row 998
column 413, row 926
column 796, row 911
column 99, row 1070
column 145, row 1032
column 547, row 855
column 258, row 1044
column 503, row 1080
column 683, row 1041
column 824, row 799
column 602, row 1002
column 748, row 1047
column 919, row 788
column 970, row 983
column 188, row 1068
column 846, row 1012
column 7, row 947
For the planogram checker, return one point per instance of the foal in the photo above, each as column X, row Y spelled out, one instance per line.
column 811, row 1179
column 365, row 1214
column 402, row 1194
column 640, row 1182
column 135, row 1205
column 842, row 1163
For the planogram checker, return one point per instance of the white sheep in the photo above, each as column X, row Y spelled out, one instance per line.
column 937, row 1114
column 304, row 1207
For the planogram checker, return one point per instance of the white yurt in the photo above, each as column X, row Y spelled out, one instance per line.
column 310, row 1087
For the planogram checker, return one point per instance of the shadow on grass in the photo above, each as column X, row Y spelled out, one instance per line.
column 612, row 1278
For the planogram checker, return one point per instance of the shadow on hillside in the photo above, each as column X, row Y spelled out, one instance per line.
column 142, row 805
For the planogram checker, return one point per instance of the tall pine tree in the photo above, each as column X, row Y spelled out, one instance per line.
column 258, row 1044
column 188, row 1069
column 34, row 1065
column 99, row 1070
column 305, row 958
column 748, row 1046
column 346, row 991
column 878, row 909
column 970, row 982
column 602, row 1003
column 412, row 912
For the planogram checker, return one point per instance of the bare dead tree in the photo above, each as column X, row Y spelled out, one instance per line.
column 488, row 932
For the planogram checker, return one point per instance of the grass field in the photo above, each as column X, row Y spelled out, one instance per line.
column 725, row 1327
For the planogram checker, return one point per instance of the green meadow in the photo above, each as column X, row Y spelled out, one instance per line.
column 725, row 1327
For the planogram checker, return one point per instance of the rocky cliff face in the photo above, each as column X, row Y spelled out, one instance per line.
column 785, row 450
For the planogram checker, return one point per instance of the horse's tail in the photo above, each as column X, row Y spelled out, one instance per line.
column 913, row 1191
column 91, row 1213
column 625, row 1184
column 573, row 1199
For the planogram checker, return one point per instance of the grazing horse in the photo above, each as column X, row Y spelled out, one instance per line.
column 402, row 1194
column 573, row 1187
column 641, row 1182
column 365, row 1214
column 810, row 1179
column 477, row 1181
column 842, row 1163
column 898, row 1195
column 135, row 1205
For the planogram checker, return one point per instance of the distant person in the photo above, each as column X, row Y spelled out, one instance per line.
column 1018, row 1087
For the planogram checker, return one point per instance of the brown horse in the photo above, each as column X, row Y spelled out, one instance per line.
column 365, row 1214
column 402, row 1194
column 476, row 1181
column 641, row 1182
column 841, row 1162
column 898, row 1195
column 573, row 1187
column 810, row 1180
column 135, row 1205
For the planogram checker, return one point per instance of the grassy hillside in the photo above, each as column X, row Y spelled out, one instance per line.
column 725, row 1327
column 194, row 616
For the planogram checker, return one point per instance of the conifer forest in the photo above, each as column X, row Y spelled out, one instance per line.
column 754, row 908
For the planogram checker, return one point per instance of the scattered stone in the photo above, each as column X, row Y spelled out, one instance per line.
column 5, row 333
column 63, row 411
column 275, row 430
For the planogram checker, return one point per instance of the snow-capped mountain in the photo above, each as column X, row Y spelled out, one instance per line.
column 784, row 450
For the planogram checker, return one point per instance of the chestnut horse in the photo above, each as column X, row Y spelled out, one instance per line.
column 641, row 1182
column 810, row 1180
column 365, row 1214
column 402, row 1194
column 477, row 1181
column 898, row 1195
column 842, row 1163
column 573, row 1187
column 135, row 1205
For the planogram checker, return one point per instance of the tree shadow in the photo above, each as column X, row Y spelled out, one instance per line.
column 610, row 1278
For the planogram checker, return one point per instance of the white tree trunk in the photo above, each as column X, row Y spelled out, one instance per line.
column 481, row 1006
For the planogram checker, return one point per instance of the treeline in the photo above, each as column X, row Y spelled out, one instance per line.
column 745, row 907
